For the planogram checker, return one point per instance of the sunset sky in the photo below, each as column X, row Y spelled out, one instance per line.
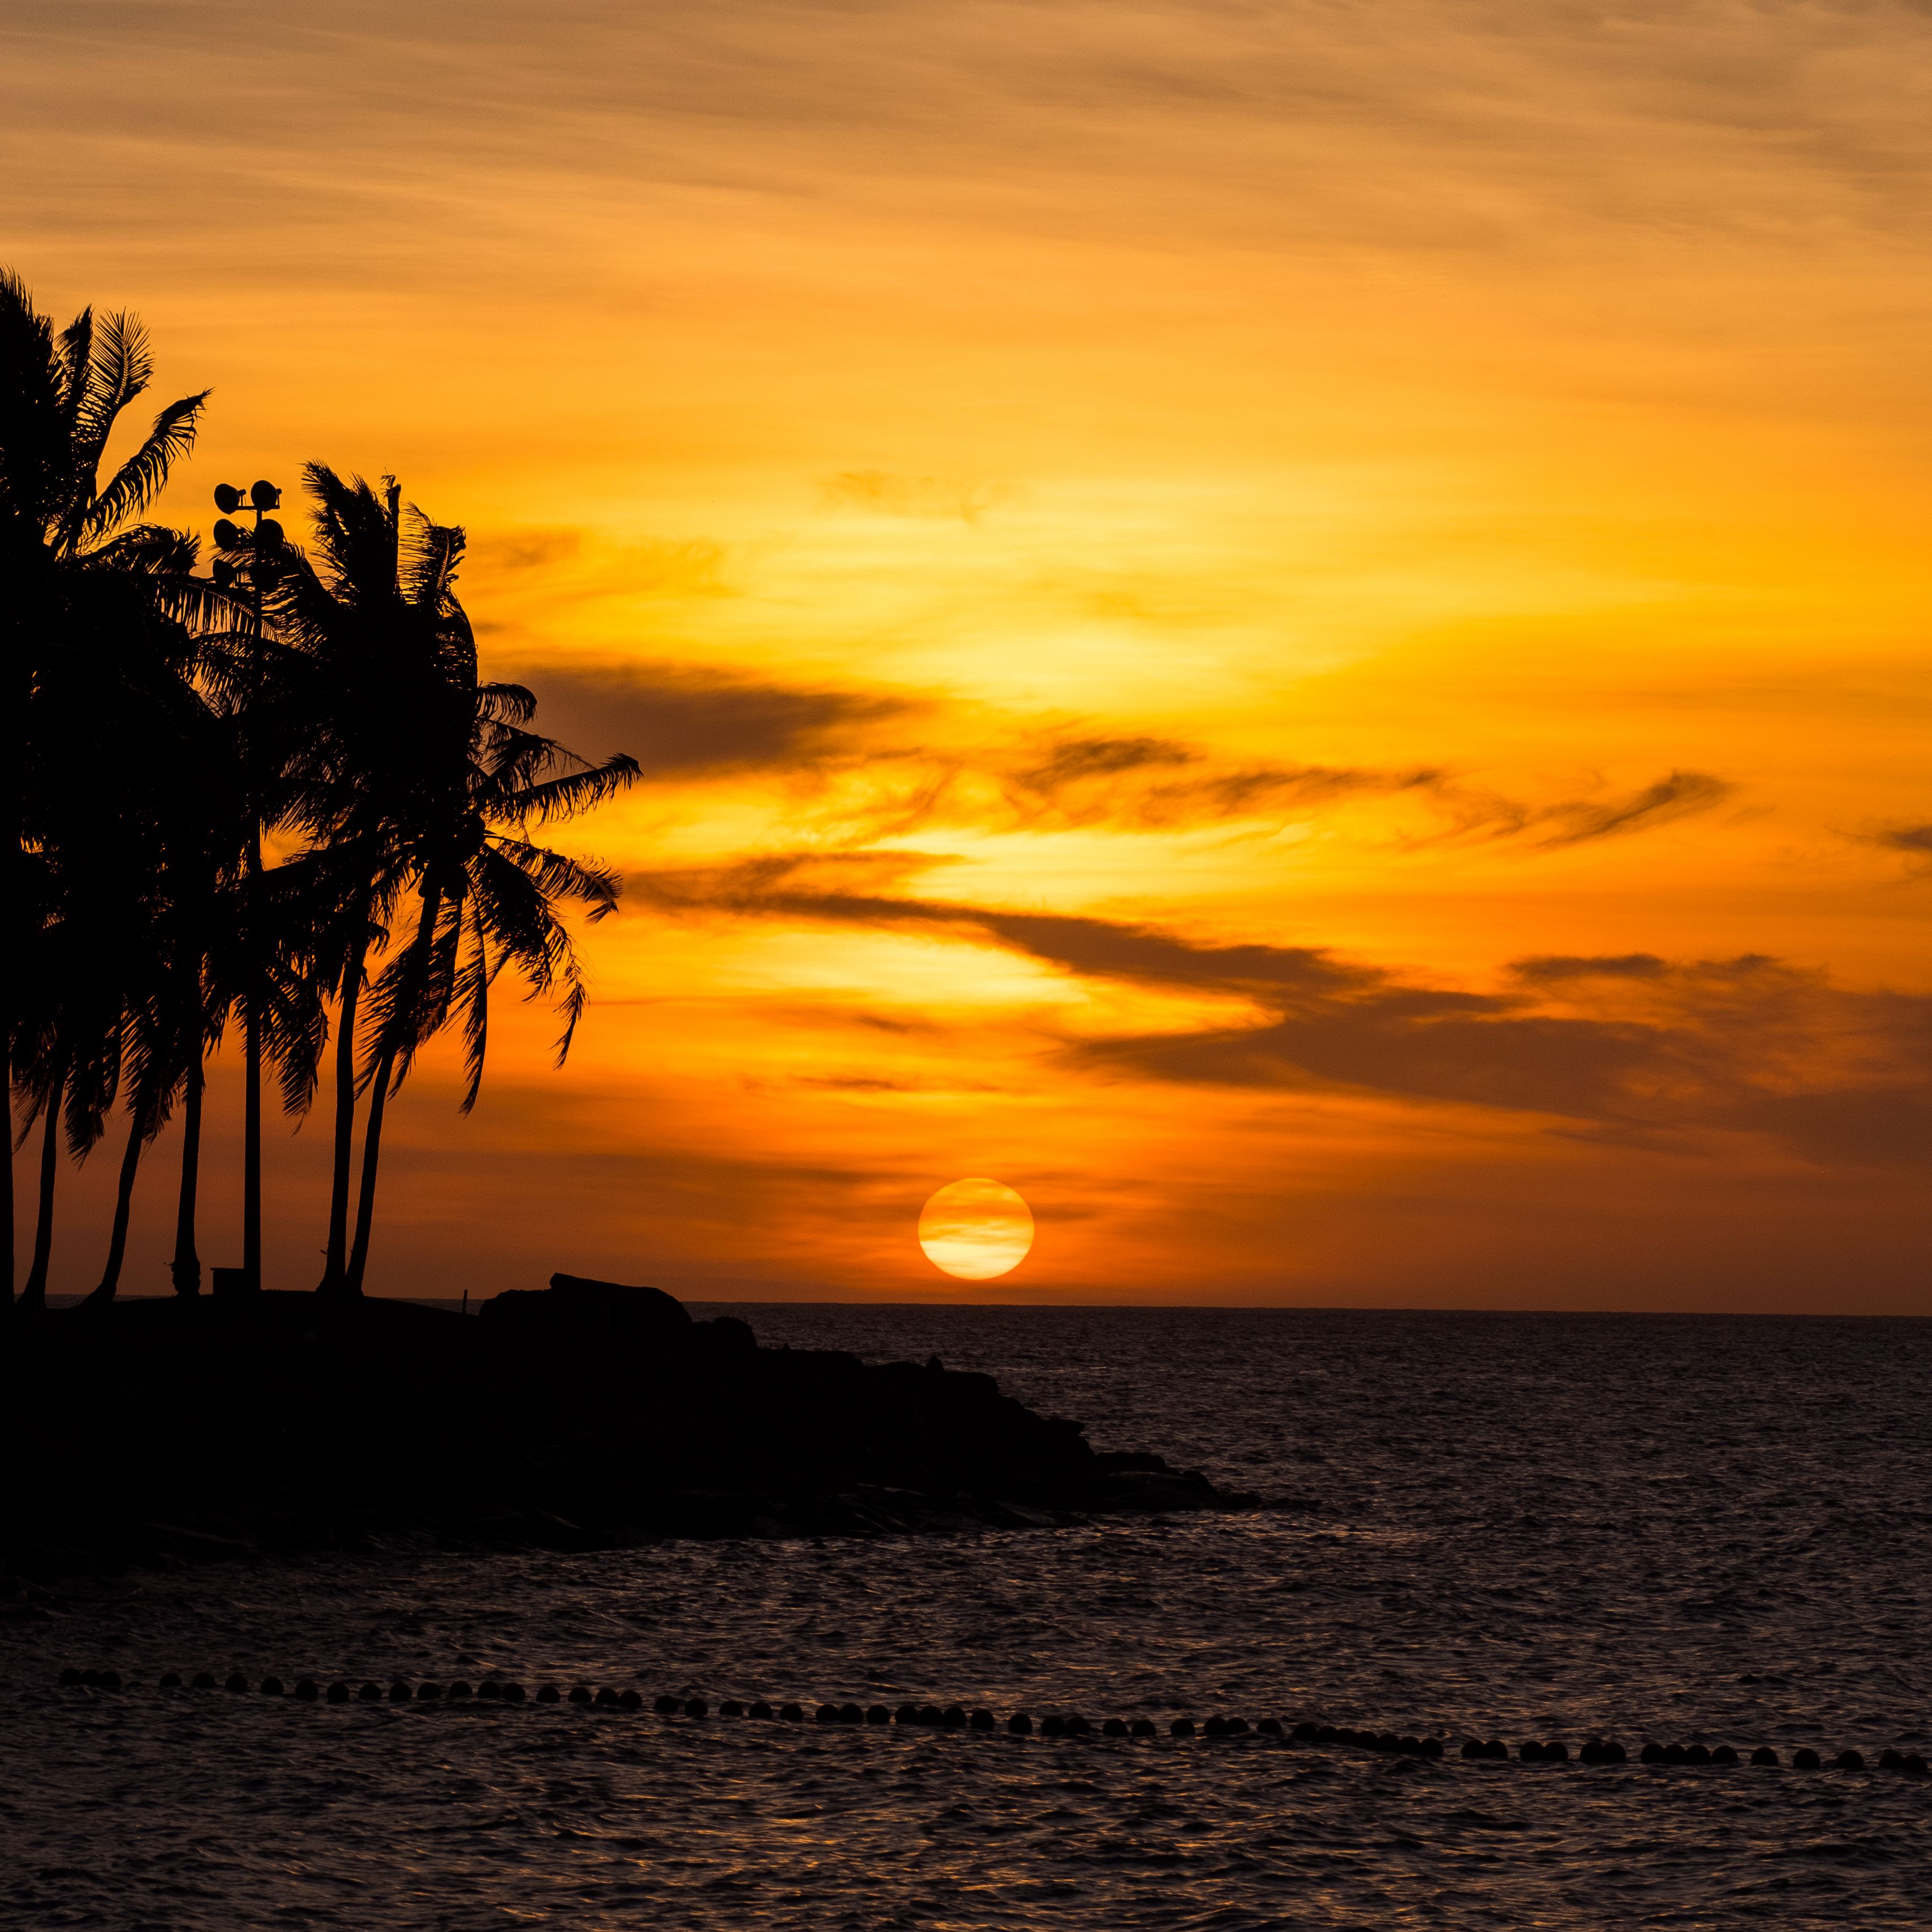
column 1299, row 629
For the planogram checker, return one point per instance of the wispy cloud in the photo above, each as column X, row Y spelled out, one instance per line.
column 1914, row 840
column 1629, row 1047
column 885, row 494
column 864, row 765
column 1554, row 824
column 680, row 722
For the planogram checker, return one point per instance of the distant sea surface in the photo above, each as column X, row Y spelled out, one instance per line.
column 1713, row 1530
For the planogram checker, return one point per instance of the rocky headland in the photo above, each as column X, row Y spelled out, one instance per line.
column 589, row 1415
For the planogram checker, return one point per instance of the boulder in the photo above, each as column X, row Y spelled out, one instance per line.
column 574, row 1309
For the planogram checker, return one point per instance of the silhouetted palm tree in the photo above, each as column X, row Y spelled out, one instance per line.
column 423, row 781
column 100, row 620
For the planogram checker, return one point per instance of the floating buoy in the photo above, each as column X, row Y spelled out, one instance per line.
column 236, row 1681
column 1851, row 1760
column 547, row 1693
column 1914, row 1766
column 1530, row 1754
column 761, row 1709
column 460, row 1689
column 696, row 1707
column 1020, row 1725
column 1113, row 1728
column 428, row 1693
column 338, row 1693
column 400, row 1692
column 828, row 1714
column 792, row 1713
column 110, row 1680
column 1272, row 1726
column 513, row 1694
column 981, row 1720
column 490, row 1688
column 630, row 1700
column 371, row 1693
column 1053, row 1726
column 851, row 1714
column 1696, row 1754
column 272, row 1687
column 606, row 1698
column 1806, row 1759
column 580, row 1694
column 1181, row 1727
column 953, row 1717
column 1764, row 1754
column 1652, row 1753
column 1724, row 1754
column 931, row 1716
column 308, row 1689
column 1474, row 1748
column 666, row 1706
column 71, row 1677
column 730, row 1707
column 170, row 1679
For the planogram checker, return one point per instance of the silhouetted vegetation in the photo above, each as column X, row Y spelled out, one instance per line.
column 276, row 798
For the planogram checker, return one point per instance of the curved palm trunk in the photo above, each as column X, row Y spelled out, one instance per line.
column 335, row 1267
column 124, row 1202
column 186, row 1266
column 34, row 1294
column 379, row 1093
column 365, row 1199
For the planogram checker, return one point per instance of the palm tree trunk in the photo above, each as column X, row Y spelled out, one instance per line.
column 33, row 1296
column 186, row 1266
column 365, row 1201
column 335, row 1271
column 251, row 1103
column 379, row 1092
column 124, row 1202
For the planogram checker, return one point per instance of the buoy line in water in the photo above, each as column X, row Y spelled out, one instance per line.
column 1595, row 1750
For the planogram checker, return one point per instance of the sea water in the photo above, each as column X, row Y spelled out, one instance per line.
column 1689, row 1529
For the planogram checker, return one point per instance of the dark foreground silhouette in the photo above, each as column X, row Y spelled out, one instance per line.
column 589, row 1416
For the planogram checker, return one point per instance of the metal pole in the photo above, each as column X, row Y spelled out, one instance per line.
column 251, row 1122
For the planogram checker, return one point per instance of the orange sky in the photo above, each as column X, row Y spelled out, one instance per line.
column 1300, row 631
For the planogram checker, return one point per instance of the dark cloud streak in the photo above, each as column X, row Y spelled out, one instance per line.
column 1638, row 1049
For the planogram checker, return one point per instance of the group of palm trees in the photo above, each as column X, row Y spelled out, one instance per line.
column 276, row 799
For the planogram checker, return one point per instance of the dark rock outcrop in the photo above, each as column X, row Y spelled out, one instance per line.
column 590, row 1415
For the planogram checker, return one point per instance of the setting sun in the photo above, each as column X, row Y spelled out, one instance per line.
column 975, row 1230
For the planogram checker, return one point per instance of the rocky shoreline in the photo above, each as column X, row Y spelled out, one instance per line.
column 589, row 1416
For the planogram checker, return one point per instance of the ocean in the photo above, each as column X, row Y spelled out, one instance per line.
column 1684, row 1529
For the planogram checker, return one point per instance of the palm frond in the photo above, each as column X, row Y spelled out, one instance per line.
column 510, row 703
column 120, row 366
column 75, row 355
column 566, row 796
column 558, row 876
column 427, row 565
column 140, row 479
